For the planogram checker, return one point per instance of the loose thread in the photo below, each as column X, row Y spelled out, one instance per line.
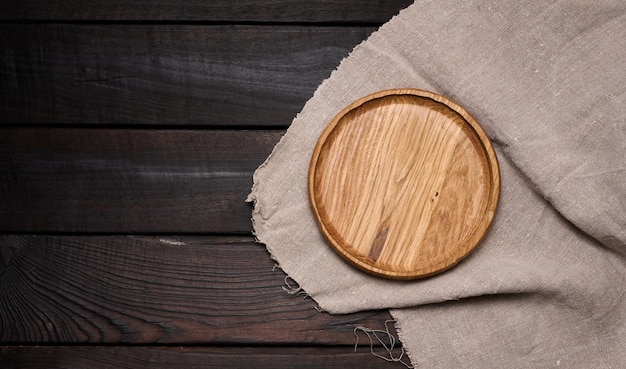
column 294, row 290
column 376, row 334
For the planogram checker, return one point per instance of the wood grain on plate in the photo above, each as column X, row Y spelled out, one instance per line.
column 404, row 183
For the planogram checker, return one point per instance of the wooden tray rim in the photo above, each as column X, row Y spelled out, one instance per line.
column 475, row 237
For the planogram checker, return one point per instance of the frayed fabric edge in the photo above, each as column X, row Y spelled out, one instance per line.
column 400, row 332
column 252, row 197
column 318, row 91
column 376, row 335
column 293, row 288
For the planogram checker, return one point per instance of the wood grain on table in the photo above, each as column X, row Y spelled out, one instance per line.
column 129, row 132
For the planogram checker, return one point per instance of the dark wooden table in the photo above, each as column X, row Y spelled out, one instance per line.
column 130, row 132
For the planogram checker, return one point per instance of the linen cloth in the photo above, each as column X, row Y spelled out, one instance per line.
column 547, row 286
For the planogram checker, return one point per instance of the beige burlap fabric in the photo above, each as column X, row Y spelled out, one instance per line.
column 547, row 287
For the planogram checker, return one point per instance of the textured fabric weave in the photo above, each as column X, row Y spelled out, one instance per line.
column 547, row 286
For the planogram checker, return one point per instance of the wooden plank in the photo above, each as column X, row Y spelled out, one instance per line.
column 191, row 357
column 349, row 11
column 129, row 180
column 165, row 74
column 157, row 290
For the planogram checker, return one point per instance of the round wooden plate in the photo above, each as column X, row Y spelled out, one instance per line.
column 404, row 183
